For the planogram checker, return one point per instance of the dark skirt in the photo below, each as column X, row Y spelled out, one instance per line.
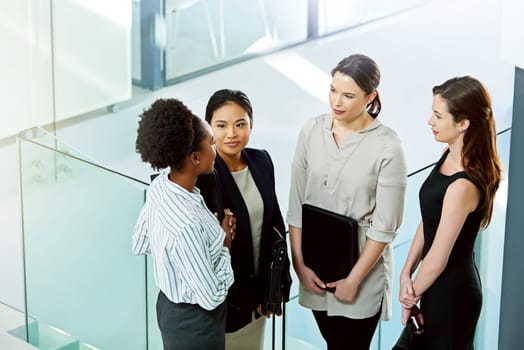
column 190, row 327
column 451, row 309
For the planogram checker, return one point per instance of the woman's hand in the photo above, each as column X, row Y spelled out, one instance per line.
column 346, row 291
column 259, row 310
column 406, row 313
column 229, row 225
column 310, row 280
column 407, row 296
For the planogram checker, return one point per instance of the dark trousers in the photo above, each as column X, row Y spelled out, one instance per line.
column 190, row 327
column 342, row 333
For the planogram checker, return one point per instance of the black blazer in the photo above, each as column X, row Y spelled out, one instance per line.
column 247, row 292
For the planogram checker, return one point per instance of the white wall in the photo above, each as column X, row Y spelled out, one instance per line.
column 512, row 32
column 92, row 69
column 26, row 100
column 92, row 54
column 25, row 84
column 92, row 59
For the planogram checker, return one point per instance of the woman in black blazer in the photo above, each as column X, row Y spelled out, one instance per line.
column 247, row 179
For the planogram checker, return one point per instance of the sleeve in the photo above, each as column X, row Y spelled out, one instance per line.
column 140, row 240
column 205, row 266
column 298, row 181
column 391, row 188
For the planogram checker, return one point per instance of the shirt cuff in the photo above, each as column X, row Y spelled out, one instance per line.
column 381, row 236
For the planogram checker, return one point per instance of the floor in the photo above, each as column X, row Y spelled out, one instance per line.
column 415, row 50
column 11, row 319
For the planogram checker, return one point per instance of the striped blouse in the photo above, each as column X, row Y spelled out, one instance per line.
column 191, row 265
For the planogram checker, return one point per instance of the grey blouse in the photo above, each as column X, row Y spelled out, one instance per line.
column 365, row 179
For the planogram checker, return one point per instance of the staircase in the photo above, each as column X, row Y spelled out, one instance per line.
column 41, row 336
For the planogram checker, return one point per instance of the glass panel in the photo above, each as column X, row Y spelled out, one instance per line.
column 201, row 34
column 154, row 337
column 334, row 15
column 81, row 278
column 45, row 138
column 301, row 329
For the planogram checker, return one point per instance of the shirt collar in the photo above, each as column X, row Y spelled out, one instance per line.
column 178, row 190
column 328, row 120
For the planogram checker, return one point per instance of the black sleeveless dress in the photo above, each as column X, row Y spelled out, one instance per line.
column 451, row 306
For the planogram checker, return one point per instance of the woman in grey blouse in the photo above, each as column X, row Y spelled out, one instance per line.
column 347, row 162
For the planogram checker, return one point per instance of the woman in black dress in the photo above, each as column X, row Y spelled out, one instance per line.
column 455, row 201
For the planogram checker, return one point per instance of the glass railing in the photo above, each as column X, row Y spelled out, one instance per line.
column 84, row 288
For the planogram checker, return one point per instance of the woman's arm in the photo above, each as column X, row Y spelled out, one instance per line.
column 347, row 288
column 407, row 296
column 461, row 198
column 307, row 277
column 140, row 241
column 297, row 195
column 203, row 265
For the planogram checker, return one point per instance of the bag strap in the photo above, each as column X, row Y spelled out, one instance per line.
column 278, row 232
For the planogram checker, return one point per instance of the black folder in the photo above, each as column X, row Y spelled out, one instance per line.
column 329, row 243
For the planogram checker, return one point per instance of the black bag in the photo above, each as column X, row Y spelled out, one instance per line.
column 278, row 277
column 405, row 339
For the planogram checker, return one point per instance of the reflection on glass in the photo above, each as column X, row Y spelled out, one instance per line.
column 204, row 33
column 334, row 15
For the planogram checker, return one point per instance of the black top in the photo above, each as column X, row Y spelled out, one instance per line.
column 451, row 305
column 431, row 198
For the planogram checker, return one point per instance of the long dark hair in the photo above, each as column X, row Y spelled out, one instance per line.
column 366, row 74
column 467, row 98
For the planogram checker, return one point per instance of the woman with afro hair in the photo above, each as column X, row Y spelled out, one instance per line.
column 190, row 248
